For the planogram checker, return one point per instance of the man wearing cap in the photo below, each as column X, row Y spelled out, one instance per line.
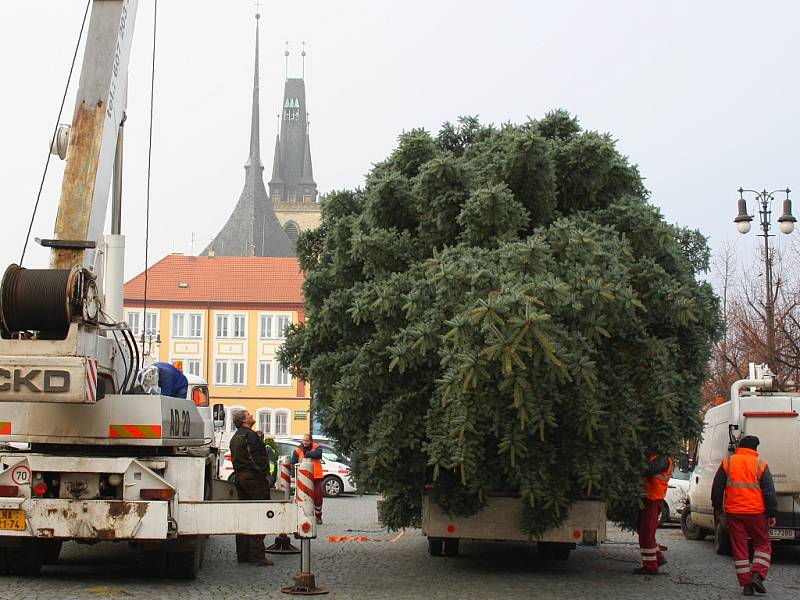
column 744, row 490
column 656, row 481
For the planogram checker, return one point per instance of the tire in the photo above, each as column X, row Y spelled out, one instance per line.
column 332, row 486
column 185, row 564
column 4, row 570
column 153, row 562
column 50, row 550
column 664, row 516
column 689, row 529
column 451, row 547
column 554, row 550
column 722, row 540
column 435, row 546
column 25, row 560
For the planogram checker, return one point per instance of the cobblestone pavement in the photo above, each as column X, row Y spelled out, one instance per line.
column 392, row 566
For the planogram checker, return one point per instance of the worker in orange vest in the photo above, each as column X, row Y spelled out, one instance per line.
column 656, row 476
column 312, row 450
column 744, row 490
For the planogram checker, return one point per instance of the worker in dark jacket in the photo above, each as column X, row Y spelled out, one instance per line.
column 251, row 470
column 656, row 481
column 744, row 490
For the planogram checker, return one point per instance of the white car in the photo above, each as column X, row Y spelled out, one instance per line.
column 677, row 495
column 336, row 481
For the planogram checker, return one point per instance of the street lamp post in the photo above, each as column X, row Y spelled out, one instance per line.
column 786, row 222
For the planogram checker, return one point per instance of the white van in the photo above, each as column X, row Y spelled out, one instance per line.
column 773, row 417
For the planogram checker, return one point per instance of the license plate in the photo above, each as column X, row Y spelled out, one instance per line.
column 782, row 534
column 12, row 519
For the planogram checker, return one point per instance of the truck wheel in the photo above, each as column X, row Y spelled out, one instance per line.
column 332, row 486
column 435, row 546
column 25, row 560
column 451, row 547
column 186, row 564
column 689, row 529
column 4, row 570
column 50, row 550
column 153, row 562
column 722, row 541
column 553, row 550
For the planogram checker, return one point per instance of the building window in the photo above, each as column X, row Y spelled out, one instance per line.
column 238, row 372
column 222, row 326
column 276, row 197
column 195, row 326
column 282, row 324
column 264, row 420
column 151, row 324
column 292, row 230
column 221, row 372
column 283, row 375
column 307, row 198
column 239, row 326
column 133, row 323
column 178, row 325
column 264, row 373
column 265, row 327
column 292, row 198
column 281, row 422
column 192, row 367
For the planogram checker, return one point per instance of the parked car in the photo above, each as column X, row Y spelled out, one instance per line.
column 677, row 496
column 336, row 481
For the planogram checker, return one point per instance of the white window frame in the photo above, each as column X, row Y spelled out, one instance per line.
column 195, row 333
column 134, row 322
column 265, row 411
column 188, row 363
column 224, row 365
column 239, row 326
column 280, row 331
column 307, row 198
column 178, row 331
column 281, row 373
column 265, row 327
column 148, row 331
column 229, row 416
column 241, row 366
column 276, row 414
column 222, row 319
column 265, row 381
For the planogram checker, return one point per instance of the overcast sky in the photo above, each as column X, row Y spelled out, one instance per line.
column 703, row 96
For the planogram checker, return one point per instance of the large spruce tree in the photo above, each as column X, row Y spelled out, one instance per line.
column 501, row 309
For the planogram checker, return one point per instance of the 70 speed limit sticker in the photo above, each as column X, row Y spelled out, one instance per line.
column 21, row 475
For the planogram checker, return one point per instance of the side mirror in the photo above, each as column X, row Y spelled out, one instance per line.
column 218, row 412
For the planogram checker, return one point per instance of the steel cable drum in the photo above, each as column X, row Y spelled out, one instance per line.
column 37, row 300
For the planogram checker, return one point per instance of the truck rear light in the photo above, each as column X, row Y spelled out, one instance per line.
column 576, row 534
column 156, row 494
column 9, row 490
column 306, row 527
column 40, row 488
column 451, row 528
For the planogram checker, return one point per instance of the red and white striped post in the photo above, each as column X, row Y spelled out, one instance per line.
column 283, row 545
column 304, row 583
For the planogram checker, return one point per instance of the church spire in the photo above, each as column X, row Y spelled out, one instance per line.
column 254, row 159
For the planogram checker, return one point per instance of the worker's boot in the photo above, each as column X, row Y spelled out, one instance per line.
column 662, row 562
column 319, row 519
column 747, row 590
column 758, row 583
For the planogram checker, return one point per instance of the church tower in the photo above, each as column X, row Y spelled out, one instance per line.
column 253, row 229
column 292, row 187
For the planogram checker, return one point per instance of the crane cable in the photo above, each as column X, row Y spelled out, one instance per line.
column 55, row 133
column 149, row 157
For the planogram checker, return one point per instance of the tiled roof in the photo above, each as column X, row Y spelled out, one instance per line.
column 229, row 279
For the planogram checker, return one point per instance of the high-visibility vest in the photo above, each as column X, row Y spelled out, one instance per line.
column 301, row 454
column 656, row 486
column 743, row 485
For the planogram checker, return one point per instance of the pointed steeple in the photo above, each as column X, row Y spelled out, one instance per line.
column 276, row 162
column 254, row 159
column 308, row 171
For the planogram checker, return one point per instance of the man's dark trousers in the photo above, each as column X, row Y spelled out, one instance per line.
column 251, row 486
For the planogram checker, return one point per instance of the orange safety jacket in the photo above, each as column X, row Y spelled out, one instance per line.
column 301, row 454
column 656, row 486
column 743, row 485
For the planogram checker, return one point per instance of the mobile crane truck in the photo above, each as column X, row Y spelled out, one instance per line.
column 106, row 462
